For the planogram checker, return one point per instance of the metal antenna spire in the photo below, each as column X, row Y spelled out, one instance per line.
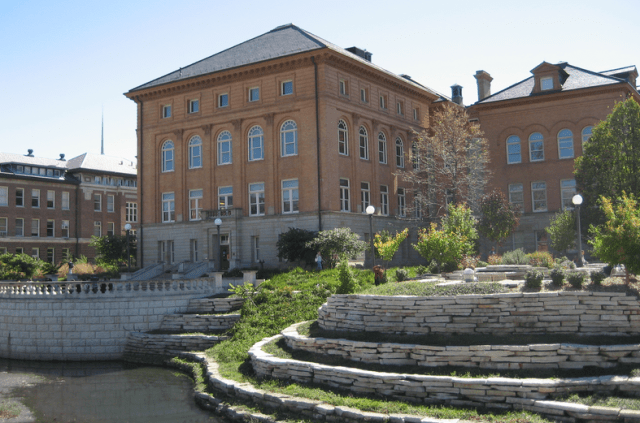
column 102, row 135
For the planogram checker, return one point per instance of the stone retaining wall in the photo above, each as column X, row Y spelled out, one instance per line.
column 589, row 313
column 144, row 347
column 215, row 305
column 502, row 357
column 496, row 393
column 198, row 322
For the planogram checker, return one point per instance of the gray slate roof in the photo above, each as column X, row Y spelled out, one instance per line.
column 8, row 158
column 578, row 79
column 285, row 40
column 101, row 163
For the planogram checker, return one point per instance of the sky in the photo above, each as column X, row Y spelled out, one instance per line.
column 66, row 64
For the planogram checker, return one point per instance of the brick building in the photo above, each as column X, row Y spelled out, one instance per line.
column 50, row 208
column 536, row 128
column 284, row 130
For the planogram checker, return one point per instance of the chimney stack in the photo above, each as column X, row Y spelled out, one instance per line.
column 484, row 84
column 456, row 94
column 29, row 152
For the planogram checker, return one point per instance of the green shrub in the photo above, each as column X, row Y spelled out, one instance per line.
column 597, row 277
column 482, row 263
column 233, row 273
column 421, row 270
column 515, row 257
column 540, row 259
column 348, row 283
column 533, row 279
column 433, row 267
column 557, row 275
column 449, row 267
column 402, row 275
column 576, row 279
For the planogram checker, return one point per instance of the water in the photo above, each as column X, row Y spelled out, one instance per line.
column 104, row 392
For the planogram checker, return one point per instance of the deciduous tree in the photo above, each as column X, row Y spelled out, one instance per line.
column 460, row 222
column 440, row 246
column 337, row 243
column 386, row 246
column 498, row 217
column 292, row 245
column 562, row 230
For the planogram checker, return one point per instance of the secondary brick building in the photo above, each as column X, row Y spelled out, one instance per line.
column 50, row 208
column 284, row 130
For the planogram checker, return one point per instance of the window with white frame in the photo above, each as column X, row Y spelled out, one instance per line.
column 35, row 252
column 131, row 212
column 539, row 196
column 399, row 153
column 568, row 190
column 35, row 227
column 168, row 207
column 111, row 203
column 51, row 255
column 586, row 133
column 384, row 200
column 513, row 150
column 383, row 101
column 167, row 156
column 365, row 196
column 51, row 228
column 415, row 157
column 223, row 100
column 290, row 196
column 97, row 228
column 225, row 198
column 364, row 143
column 65, row 228
column 51, row 199
column 536, row 147
column 224, row 148
column 19, row 197
column 345, row 203
column 516, row 196
column 286, row 88
column 111, row 228
column 195, row 152
column 343, row 138
column 193, row 250
column 194, row 106
column 402, row 203
column 344, row 87
column 19, row 226
column 97, row 180
column 546, row 83
column 256, row 248
column 19, row 250
column 195, row 204
column 4, row 196
column 565, row 144
column 382, row 147
column 254, row 94
column 364, row 95
column 97, row 202
column 166, row 111
column 289, row 138
column 256, row 199
column 256, row 143
column 35, row 198
column 416, row 114
column 400, row 108
column 3, row 226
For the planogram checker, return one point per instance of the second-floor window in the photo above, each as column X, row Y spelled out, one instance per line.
column 256, row 143
column 131, row 212
column 110, row 203
column 167, row 156
column 399, row 153
column 195, row 204
column 382, row 148
column 384, row 200
column 365, row 196
column 225, row 198
column 195, row 152
column 35, row 198
column 343, row 138
column 51, row 228
column 290, row 196
column 565, row 144
column 539, row 196
column 51, row 199
column 536, row 147
column 97, row 202
column 401, row 202
column 224, row 148
column 345, row 204
column 19, row 197
column 513, row 150
column 168, row 207
column 364, row 143
column 289, row 138
column 256, row 199
column 516, row 196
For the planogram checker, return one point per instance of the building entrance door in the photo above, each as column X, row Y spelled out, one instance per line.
column 225, row 257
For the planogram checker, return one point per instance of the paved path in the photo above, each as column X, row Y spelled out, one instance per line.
column 8, row 383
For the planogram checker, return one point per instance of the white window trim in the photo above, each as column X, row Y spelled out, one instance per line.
column 344, row 144
column 546, row 199
column 282, row 85
column 97, row 224
column 291, row 200
column 37, row 227
column 283, row 137
column 562, row 199
column 169, row 211
column 219, row 148
column 384, row 149
column 99, row 204
column 402, row 202
column 512, row 143
column 53, row 199
column 364, row 95
column 573, row 153
column 345, row 195
column 251, row 149
column 343, row 87
column 195, row 144
column 546, row 79
column 520, row 203
column 400, row 156
column 384, row 200
column 198, row 204
column 366, row 143
column 166, row 111
column 531, row 151
column 53, row 228
column 226, row 197
column 4, row 196
column 220, row 96
column 113, row 203
column 164, row 151
column 194, row 102
column 365, row 191
column 251, row 90
column 256, row 195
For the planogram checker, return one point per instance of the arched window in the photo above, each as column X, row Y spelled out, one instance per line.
column 382, row 148
column 224, row 148
column 289, row 138
column 415, row 157
column 513, row 150
column 565, row 144
column 586, row 133
column 399, row 152
column 343, row 138
column 167, row 156
column 256, row 143
column 195, row 152
column 364, row 143
column 536, row 147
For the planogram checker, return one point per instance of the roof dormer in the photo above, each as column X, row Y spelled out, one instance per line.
column 548, row 78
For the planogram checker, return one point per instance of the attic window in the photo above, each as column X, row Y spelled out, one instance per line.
column 546, row 83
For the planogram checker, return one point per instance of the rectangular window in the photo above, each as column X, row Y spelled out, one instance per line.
column 290, row 196
column 51, row 255
column 384, row 200
column 345, row 204
column 256, row 249
column 35, row 227
column 256, row 199
column 364, row 96
column 97, row 228
column 166, row 111
column 35, row 252
column 449, row 196
column 225, row 198
column 51, row 199
column 66, row 254
column 19, row 227
column 65, row 228
column 416, row 114
column 3, row 227
column 254, row 94
column 51, row 228
column 194, row 106
column 97, row 202
column 401, row 203
column 111, row 228
column 383, row 101
column 194, row 250
column 110, row 203
column 97, row 180
column 546, row 83
column 168, row 207
column 286, row 88
column 568, row 189
column 365, row 196
column 19, row 197
column 223, row 100
column 400, row 107
column 516, row 196
column 344, row 89
column 131, row 212
column 539, row 196
column 4, row 196
column 195, row 204
column 35, row 198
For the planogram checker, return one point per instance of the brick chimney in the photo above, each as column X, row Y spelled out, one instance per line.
column 456, row 94
column 484, row 84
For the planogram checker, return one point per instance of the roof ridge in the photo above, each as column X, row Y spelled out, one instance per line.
column 596, row 73
column 504, row 89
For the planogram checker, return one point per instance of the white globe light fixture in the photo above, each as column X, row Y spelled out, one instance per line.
column 370, row 210
column 218, row 223
column 577, row 200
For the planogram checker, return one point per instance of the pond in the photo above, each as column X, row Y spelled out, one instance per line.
column 99, row 392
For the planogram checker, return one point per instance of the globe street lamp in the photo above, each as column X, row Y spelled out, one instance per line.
column 218, row 222
column 127, row 228
column 577, row 200
column 370, row 211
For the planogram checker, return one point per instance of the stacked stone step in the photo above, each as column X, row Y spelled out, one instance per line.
column 215, row 305
column 144, row 347
column 198, row 322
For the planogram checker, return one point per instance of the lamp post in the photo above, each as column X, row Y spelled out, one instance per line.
column 127, row 228
column 370, row 211
column 218, row 222
column 577, row 200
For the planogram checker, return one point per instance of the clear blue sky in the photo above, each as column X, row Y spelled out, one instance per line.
column 62, row 62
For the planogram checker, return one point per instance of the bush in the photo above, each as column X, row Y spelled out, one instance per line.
column 421, row 270
column 470, row 261
column 233, row 273
column 292, row 246
column 482, row 263
column 449, row 267
column 597, row 277
column 338, row 242
column 494, row 259
column 433, row 267
column 515, row 257
column 348, row 283
column 533, row 279
column 557, row 275
column 402, row 275
column 576, row 279
column 540, row 259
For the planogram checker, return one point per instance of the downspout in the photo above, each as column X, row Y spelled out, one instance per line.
column 315, row 69
column 140, row 248
column 77, row 223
